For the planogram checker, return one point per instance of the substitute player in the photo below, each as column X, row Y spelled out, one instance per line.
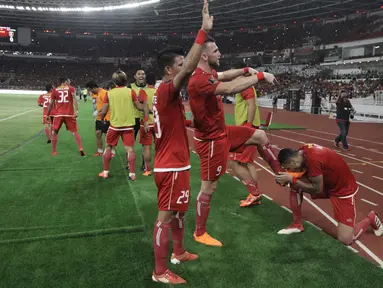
column 145, row 96
column 246, row 113
column 63, row 98
column 172, row 158
column 328, row 176
column 101, row 126
column 43, row 101
column 213, row 139
column 120, row 101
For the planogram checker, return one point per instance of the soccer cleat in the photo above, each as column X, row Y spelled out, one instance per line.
column 183, row 258
column 376, row 223
column 97, row 154
column 168, row 278
column 82, row 153
column 293, row 228
column 336, row 144
column 207, row 240
column 346, row 149
column 147, row 173
column 251, row 200
column 127, row 167
column 54, row 153
column 132, row 176
column 49, row 141
column 104, row 174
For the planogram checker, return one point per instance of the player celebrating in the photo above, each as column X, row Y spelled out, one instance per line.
column 121, row 101
column 172, row 158
column 213, row 140
column 146, row 138
column 43, row 101
column 246, row 114
column 327, row 176
column 66, row 111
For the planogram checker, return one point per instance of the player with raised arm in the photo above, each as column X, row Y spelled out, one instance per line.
column 213, row 139
column 120, row 102
column 327, row 176
column 63, row 98
column 172, row 158
column 43, row 101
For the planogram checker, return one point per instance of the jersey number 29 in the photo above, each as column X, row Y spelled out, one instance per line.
column 156, row 117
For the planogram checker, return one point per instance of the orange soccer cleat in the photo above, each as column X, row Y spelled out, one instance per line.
column 251, row 200
column 147, row 173
column 207, row 240
column 97, row 154
column 183, row 258
column 168, row 277
column 104, row 174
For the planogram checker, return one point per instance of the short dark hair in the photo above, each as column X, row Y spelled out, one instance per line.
column 110, row 86
column 91, row 84
column 166, row 56
column 62, row 80
column 140, row 69
column 209, row 39
column 286, row 154
column 151, row 79
column 48, row 87
column 119, row 78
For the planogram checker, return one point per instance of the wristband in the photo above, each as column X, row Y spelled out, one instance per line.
column 201, row 37
column 146, row 118
column 188, row 123
column 260, row 76
column 246, row 70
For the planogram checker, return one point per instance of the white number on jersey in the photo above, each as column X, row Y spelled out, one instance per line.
column 184, row 198
column 63, row 96
column 46, row 102
column 156, row 117
column 219, row 170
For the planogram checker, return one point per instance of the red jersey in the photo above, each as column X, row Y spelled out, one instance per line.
column 207, row 108
column 44, row 100
column 63, row 97
column 171, row 141
column 338, row 179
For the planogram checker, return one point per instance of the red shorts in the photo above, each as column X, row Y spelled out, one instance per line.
column 214, row 153
column 247, row 156
column 344, row 209
column 173, row 190
column 70, row 123
column 146, row 138
column 126, row 134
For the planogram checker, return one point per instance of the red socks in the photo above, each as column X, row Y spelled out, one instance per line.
column 132, row 161
column 78, row 140
column 252, row 187
column 202, row 212
column 296, row 200
column 177, row 227
column 361, row 227
column 161, row 246
column 54, row 142
column 147, row 166
column 270, row 156
column 106, row 157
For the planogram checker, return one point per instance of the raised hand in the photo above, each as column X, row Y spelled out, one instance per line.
column 207, row 20
column 270, row 78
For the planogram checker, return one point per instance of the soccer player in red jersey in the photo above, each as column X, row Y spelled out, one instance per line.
column 172, row 158
column 66, row 111
column 327, row 176
column 213, row 139
column 43, row 101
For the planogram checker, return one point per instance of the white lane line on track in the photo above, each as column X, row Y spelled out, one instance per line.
column 352, row 249
column 364, row 140
column 369, row 202
column 376, row 177
column 267, row 197
column 331, row 141
column 357, row 171
column 360, row 244
column 315, row 226
column 366, row 158
column 17, row 115
column 369, row 188
column 287, row 209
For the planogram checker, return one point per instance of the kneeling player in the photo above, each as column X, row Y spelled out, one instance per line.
column 329, row 177
column 44, row 101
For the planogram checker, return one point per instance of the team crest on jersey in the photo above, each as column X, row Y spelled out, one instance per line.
column 212, row 80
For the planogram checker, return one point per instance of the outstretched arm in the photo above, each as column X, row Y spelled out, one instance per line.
column 235, row 73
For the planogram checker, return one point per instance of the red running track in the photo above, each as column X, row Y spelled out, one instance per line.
column 365, row 159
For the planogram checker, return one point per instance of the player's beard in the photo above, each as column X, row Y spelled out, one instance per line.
column 214, row 65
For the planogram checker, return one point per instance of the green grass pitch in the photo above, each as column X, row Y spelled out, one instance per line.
column 62, row 226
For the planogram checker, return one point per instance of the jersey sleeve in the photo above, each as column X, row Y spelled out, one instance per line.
column 54, row 95
column 142, row 96
column 134, row 96
column 106, row 98
column 40, row 100
column 206, row 84
column 248, row 93
column 72, row 91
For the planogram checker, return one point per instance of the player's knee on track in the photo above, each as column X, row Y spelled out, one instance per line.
column 345, row 234
column 259, row 138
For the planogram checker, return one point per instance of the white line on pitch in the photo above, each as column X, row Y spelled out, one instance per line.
column 369, row 159
column 369, row 202
column 352, row 249
column 287, row 209
column 376, row 177
column 267, row 197
column 364, row 140
column 14, row 116
column 315, row 226
column 236, row 178
column 360, row 244
column 351, row 154
column 357, row 171
column 259, row 169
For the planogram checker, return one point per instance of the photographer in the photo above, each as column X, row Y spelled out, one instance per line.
column 344, row 111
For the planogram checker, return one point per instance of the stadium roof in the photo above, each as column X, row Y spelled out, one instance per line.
column 168, row 16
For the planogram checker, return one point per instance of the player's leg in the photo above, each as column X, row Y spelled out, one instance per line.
column 128, row 141
column 57, row 122
column 146, row 142
column 213, row 160
column 71, row 125
column 98, row 127
column 111, row 141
